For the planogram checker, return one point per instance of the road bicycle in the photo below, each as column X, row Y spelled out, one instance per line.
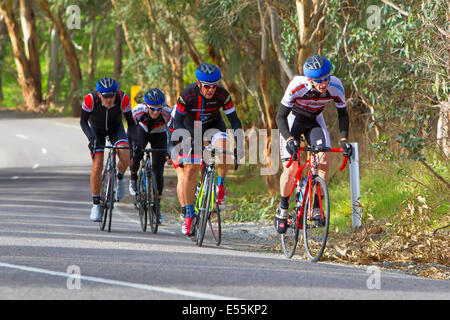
column 146, row 198
column 312, row 211
column 108, row 192
column 206, row 208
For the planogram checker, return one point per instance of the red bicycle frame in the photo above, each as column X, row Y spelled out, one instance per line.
column 312, row 164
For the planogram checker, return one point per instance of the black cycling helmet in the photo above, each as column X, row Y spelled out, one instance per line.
column 208, row 73
column 154, row 97
column 106, row 84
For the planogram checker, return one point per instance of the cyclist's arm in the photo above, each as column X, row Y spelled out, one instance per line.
column 234, row 120
column 343, row 122
column 85, row 125
column 282, row 122
column 178, row 120
column 132, row 130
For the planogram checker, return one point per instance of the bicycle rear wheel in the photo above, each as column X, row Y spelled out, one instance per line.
column 289, row 239
column 215, row 225
column 316, row 219
column 152, row 203
column 141, row 202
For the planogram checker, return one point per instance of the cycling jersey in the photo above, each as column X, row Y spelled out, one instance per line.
column 142, row 117
column 106, row 121
column 194, row 107
column 106, row 118
column 306, row 102
column 301, row 113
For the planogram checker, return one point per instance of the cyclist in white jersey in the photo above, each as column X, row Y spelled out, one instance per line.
column 300, row 113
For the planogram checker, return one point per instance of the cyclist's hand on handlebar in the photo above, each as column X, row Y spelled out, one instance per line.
column 292, row 146
column 168, row 160
column 348, row 150
column 92, row 144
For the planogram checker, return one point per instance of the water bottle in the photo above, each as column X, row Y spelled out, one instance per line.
column 144, row 183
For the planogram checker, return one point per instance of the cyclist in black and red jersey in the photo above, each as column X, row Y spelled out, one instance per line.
column 151, row 117
column 300, row 113
column 101, row 116
column 199, row 105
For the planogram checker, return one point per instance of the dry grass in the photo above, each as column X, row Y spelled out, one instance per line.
column 408, row 242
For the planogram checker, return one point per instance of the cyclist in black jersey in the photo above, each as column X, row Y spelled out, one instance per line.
column 101, row 116
column 199, row 104
column 300, row 113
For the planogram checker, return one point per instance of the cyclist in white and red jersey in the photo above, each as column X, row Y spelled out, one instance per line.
column 101, row 116
column 151, row 117
column 300, row 113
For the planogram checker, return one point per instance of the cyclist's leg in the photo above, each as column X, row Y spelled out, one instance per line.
column 119, row 138
column 97, row 162
column 317, row 136
column 96, row 175
column 139, row 142
column 287, row 176
column 191, row 163
column 324, row 157
column 173, row 149
column 158, row 141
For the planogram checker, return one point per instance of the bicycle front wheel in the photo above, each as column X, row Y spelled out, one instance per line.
column 214, row 224
column 141, row 201
column 316, row 219
column 152, row 203
column 104, row 194
column 204, row 209
column 289, row 239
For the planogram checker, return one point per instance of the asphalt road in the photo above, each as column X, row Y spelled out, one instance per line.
column 49, row 249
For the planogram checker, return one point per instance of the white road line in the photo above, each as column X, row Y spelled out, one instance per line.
column 180, row 292
column 44, row 151
column 35, row 166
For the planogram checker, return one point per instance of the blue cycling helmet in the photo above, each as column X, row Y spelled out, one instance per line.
column 106, row 84
column 316, row 67
column 154, row 97
column 208, row 73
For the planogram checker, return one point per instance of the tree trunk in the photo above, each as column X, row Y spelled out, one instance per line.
column 276, row 35
column 310, row 21
column 54, row 66
column 71, row 56
column 271, row 180
column 3, row 39
column 27, row 74
column 443, row 129
column 118, row 53
column 170, row 55
column 92, row 50
column 125, row 30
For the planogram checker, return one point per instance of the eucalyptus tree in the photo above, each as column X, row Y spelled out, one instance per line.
column 25, row 49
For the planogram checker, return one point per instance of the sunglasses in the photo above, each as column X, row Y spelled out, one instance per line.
column 209, row 86
column 154, row 108
column 108, row 94
column 321, row 80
